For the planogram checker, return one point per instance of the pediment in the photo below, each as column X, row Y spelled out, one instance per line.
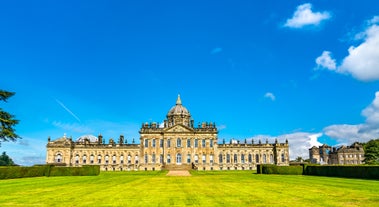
column 178, row 128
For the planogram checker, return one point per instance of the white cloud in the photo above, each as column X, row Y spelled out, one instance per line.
column 347, row 133
column 304, row 16
column 216, row 50
column 326, row 61
column 27, row 151
column 270, row 95
column 299, row 142
column 363, row 61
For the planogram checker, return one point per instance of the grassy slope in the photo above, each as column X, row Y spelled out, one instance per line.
column 231, row 188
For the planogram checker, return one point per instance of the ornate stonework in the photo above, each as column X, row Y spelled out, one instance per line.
column 176, row 145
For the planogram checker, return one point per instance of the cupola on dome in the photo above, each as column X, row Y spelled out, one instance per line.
column 178, row 109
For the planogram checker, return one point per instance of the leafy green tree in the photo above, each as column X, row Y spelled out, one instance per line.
column 7, row 121
column 372, row 152
column 5, row 160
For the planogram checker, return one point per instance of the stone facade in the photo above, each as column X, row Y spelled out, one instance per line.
column 344, row 155
column 178, row 144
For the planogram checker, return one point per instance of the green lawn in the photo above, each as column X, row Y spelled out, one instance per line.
column 210, row 188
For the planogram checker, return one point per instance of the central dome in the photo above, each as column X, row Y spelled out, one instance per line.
column 178, row 109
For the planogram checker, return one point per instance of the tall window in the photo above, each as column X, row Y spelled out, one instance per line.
column 153, row 143
column 77, row 159
column 188, row 158
column 168, row 143
column 250, row 158
column 146, row 158
column 242, row 158
column 161, row 143
column 211, row 158
column 283, row 159
column 271, row 158
column 196, row 143
column 178, row 158
column 129, row 159
column 106, row 159
column 161, row 158
column 203, row 143
column 264, row 158
column 153, row 158
column 84, row 159
column 136, row 159
column 196, row 159
column 91, row 158
column 220, row 160
column 98, row 159
column 235, row 158
column 204, row 158
column 227, row 158
column 114, row 159
column 188, row 143
column 178, row 142
column 168, row 159
column 257, row 158
column 210, row 143
column 122, row 159
column 146, row 142
column 58, row 158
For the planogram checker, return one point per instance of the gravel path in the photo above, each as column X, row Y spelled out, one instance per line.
column 178, row 173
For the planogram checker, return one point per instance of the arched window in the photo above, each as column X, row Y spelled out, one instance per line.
column 242, row 158
column 283, row 158
column 188, row 158
column 204, row 158
column 250, row 158
column 129, row 159
column 136, row 159
column 264, row 159
column 235, row 158
column 178, row 142
column 161, row 158
column 122, row 159
column 91, row 158
column 178, row 158
column 98, row 159
column 211, row 158
column 84, row 159
column 271, row 158
column 227, row 158
column 257, row 158
column 168, row 159
column 106, row 159
column 220, row 160
column 114, row 159
column 76, row 159
column 196, row 158
column 58, row 158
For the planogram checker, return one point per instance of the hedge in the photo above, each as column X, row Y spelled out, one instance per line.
column 47, row 170
column 283, row 170
column 350, row 171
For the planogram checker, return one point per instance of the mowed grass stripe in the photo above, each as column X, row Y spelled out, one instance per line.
column 216, row 188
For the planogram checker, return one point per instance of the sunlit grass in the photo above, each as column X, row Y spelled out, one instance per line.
column 208, row 188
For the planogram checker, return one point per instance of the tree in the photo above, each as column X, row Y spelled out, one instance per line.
column 7, row 121
column 372, row 152
column 5, row 160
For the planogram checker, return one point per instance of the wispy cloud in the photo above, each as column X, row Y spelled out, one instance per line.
column 72, row 127
column 216, row 50
column 304, row 16
column 270, row 96
column 67, row 109
column 326, row 61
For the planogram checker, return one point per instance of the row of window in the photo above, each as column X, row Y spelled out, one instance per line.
column 222, row 158
column 350, row 156
column 178, row 143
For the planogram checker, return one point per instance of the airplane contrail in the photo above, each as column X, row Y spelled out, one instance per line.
column 68, row 110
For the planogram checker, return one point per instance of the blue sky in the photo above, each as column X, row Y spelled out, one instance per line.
column 307, row 71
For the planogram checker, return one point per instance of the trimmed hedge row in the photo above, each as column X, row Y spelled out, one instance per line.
column 352, row 171
column 47, row 170
column 283, row 170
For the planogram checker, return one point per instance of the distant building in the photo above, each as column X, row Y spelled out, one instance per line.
column 177, row 144
column 344, row 155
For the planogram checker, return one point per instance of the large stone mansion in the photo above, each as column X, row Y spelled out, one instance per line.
column 178, row 144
